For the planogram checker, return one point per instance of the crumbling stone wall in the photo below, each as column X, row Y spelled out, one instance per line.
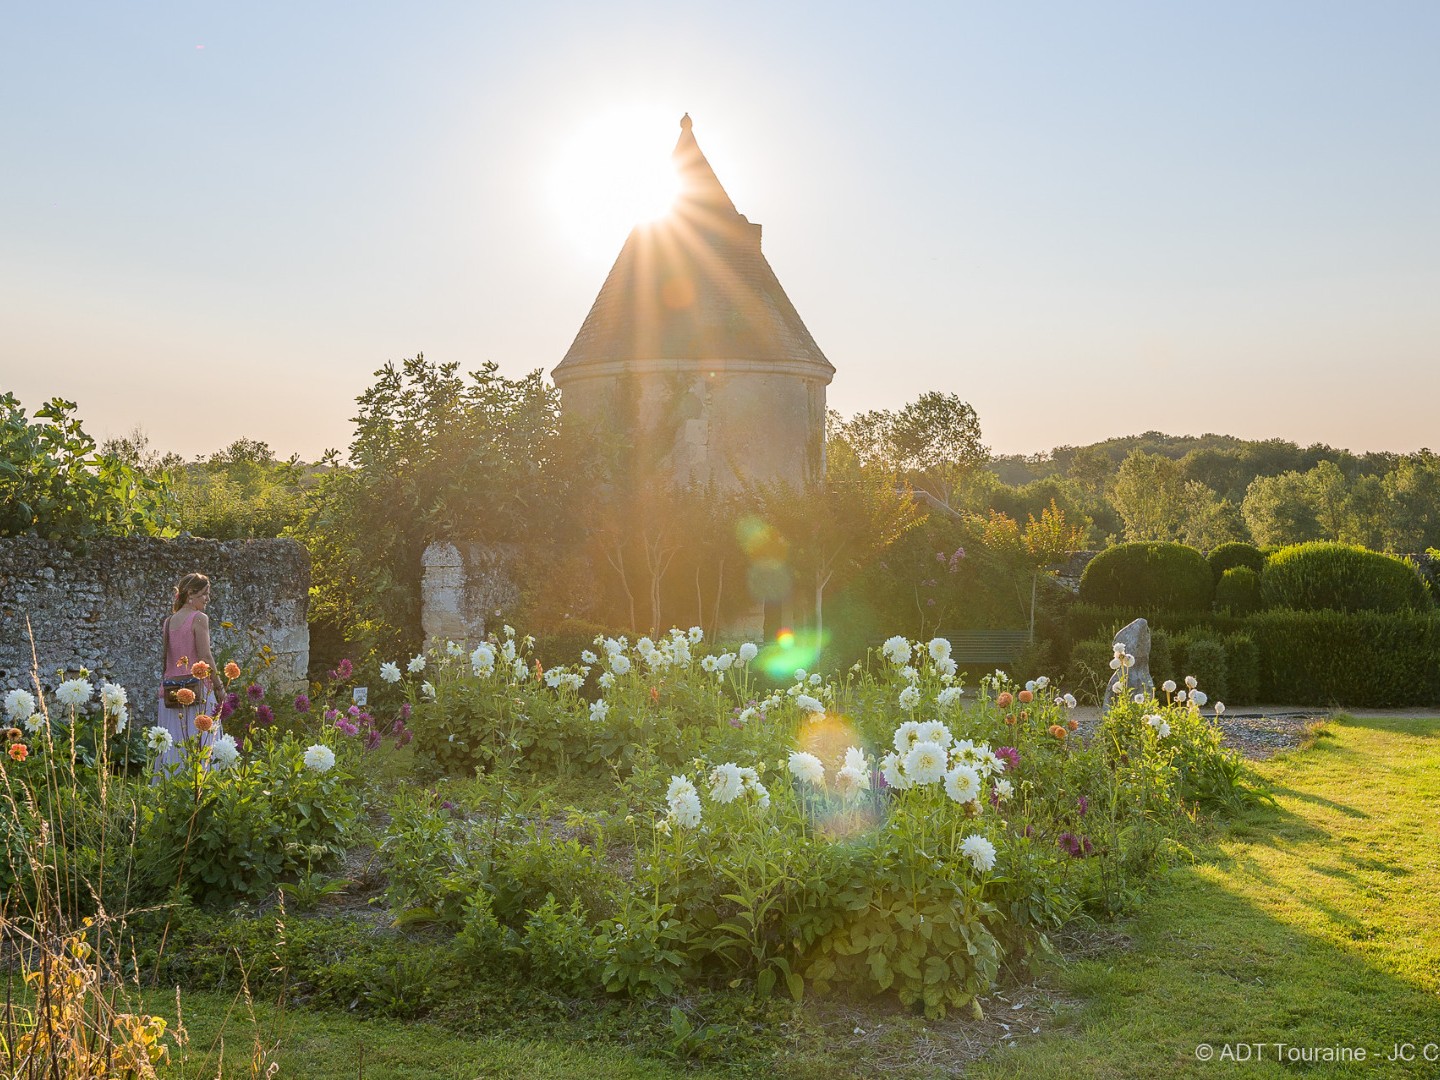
column 463, row 586
column 100, row 608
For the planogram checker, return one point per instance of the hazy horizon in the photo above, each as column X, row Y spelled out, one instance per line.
column 220, row 223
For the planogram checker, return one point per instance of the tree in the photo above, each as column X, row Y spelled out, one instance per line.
column 1414, row 490
column 832, row 529
column 934, row 442
column 55, row 484
column 436, row 455
column 1280, row 510
column 1149, row 494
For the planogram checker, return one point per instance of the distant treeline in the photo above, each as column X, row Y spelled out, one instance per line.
column 1209, row 489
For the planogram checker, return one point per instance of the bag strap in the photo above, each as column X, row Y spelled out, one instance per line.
column 165, row 648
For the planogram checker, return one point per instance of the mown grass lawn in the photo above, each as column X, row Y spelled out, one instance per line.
column 1314, row 924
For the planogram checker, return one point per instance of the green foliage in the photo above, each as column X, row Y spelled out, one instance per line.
column 1338, row 577
column 1233, row 554
column 919, row 930
column 238, row 832
column 1089, row 668
column 1238, row 591
column 1203, row 657
column 1359, row 659
column 55, row 485
column 241, row 492
column 1242, row 669
column 1149, row 576
column 1166, row 770
column 436, row 456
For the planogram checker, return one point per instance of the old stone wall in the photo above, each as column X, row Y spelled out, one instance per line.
column 462, row 588
column 100, row 609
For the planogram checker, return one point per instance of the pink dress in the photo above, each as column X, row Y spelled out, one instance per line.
column 180, row 654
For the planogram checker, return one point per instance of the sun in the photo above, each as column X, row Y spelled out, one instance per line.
column 611, row 173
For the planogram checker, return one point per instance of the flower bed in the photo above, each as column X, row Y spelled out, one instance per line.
column 881, row 831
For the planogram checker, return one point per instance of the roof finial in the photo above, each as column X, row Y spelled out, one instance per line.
column 685, row 122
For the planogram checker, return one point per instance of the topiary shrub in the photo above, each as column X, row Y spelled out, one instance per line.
column 1162, row 660
column 1238, row 591
column 1236, row 553
column 1205, row 659
column 1089, row 669
column 1322, row 576
column 1370, row 659
column 1149, row 576
column 1242, row 669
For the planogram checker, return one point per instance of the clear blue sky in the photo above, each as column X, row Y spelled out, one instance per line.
column 1085, row 219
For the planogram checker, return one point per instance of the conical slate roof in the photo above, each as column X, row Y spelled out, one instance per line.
column 693, row 286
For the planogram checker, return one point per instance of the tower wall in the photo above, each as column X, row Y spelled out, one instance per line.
column 713, row 423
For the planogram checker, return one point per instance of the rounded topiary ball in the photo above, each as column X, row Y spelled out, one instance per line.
column 1150, row 576
column 1321, row 576
column 1238, row 591
column 1236, row 553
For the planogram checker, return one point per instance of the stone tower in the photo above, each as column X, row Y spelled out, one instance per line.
column 693, row 354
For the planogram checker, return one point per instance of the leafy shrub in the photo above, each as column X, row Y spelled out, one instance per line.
column 561, row 947
column 1089, row 669
column 55, row 484
column 1242, row 669
column 236, row 832
column 1149, row 576
column 1238, row 591
column 1183, row 759
column 1338, row 577
column 1371, row 659
column 1234, row 554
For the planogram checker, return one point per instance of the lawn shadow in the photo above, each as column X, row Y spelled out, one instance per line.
column 1292, row 935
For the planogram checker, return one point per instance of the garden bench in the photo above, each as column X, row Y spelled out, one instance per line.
column 973, row 648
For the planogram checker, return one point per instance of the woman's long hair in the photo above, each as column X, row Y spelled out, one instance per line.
column 187, row 587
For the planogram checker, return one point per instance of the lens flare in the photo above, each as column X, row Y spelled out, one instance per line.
column 789, row 651
column 828, row 738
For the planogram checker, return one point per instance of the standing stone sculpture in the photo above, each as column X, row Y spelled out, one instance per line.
column 1135, row 637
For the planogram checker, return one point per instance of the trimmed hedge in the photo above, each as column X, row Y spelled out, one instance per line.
column 1205, row 659
column 1235, row 553
column 1089, row 669
column 1322, row 576
column 1363, row 659
column 1242, row 668
column 1084, row 621
column 1238, row 591
column 1164, row 577
column 1374, row 659
column 1162, row 660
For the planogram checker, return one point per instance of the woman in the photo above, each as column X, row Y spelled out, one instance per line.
column 186, row 633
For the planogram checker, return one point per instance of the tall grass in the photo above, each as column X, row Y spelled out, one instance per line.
column 71, row 821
